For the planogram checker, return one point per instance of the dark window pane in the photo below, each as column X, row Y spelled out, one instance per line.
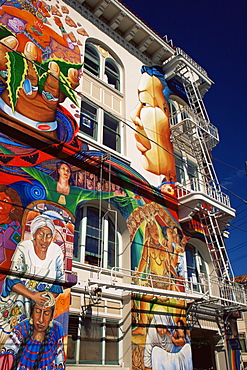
column 111, row 341
column 112, row 74
column 88, row 122
column 91, row 60
column 111, row 136
column 90, row 346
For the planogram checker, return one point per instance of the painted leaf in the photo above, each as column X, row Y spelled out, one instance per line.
column 67, row 89
column 15, row 62
column 4, row 32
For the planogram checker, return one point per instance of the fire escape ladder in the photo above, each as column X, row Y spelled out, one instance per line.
column 200, row 141
column 216, row 245
column 204, row 160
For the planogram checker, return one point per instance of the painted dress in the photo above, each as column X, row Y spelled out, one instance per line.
column 53, row 353
column 160, row 353
column 10, row 235
column 15, row 307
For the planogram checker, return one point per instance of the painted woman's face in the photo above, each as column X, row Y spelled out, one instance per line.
column 154, row 232
column 6, row 205
column 42, row 239
column 162, row 331
column 64, row 172
column 41, row 318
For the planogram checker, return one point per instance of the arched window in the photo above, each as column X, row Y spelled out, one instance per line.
column 196, row 269
column 96, row 237
column 112, row 73
column 92, row 60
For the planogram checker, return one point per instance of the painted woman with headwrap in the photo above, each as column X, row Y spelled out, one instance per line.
column 37, row 265
column 35, row 343
column 161, row 351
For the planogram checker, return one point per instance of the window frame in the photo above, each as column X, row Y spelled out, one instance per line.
column 110, row 73
column 90, row 47
column 198, row 285
column 81, row 231
column 78, row 343
column 116, row 133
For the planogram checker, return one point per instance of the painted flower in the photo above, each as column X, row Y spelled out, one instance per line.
column 13, row 321
column 41, row 287
column 15, row 311
column 167, row 189
column 32, row 284
column 6, row 313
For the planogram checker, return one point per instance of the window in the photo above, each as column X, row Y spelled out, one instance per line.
column 173, row 113
column 192, row 175
column 88, row 123
column 196, row 269
column 91, row 123
column 111, row 136
column 100, row 63
column 242, row 340
column 93, row 341
column 112, row 73
column 92, row 59
column 96, row 238
column 179, row 163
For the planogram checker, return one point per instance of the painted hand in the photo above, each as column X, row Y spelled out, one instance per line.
column 31, row 103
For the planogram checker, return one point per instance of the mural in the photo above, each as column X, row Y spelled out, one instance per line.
column 151, row 119
column 36, row 38
column 159, row 325
column 40, row 64
column 160, row 338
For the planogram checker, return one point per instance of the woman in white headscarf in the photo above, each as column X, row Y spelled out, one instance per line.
column 37, row 267
column 160, row 351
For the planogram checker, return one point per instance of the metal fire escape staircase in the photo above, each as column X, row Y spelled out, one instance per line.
column 202, row 140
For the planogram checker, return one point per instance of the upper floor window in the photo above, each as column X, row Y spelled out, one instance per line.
column 111, row 135
column 93, row 119
column 96, row 238
column 196, row 269
column 89, row 120
column 112, row 73
column 92, row 59
column 103, row 65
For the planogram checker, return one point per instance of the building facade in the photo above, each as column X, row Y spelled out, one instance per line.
column 112, row 217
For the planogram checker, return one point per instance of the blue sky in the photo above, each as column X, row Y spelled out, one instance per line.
column 213, row 33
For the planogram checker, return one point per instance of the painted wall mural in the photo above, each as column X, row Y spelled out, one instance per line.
column 159, row 332
column 39, row 195
column 151, row 119
column 41, row 40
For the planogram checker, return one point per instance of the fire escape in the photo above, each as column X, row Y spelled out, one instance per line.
column 193, row 134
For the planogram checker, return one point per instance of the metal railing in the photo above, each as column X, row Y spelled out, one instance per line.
column 195, row 185
column 225, row 292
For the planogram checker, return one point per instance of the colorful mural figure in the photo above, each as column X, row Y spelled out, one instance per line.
column 48, row 68
column 37, row 342
column 10, row 228
column 39, row 258
column 151, row 118
column 158, row 260
column 167, row 346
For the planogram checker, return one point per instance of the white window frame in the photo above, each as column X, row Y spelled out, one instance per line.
column 100, row 128
column 107, row 215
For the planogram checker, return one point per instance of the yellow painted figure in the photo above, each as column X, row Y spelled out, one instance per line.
column 151, row 117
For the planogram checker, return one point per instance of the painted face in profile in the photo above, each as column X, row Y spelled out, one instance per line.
column 151, row 117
